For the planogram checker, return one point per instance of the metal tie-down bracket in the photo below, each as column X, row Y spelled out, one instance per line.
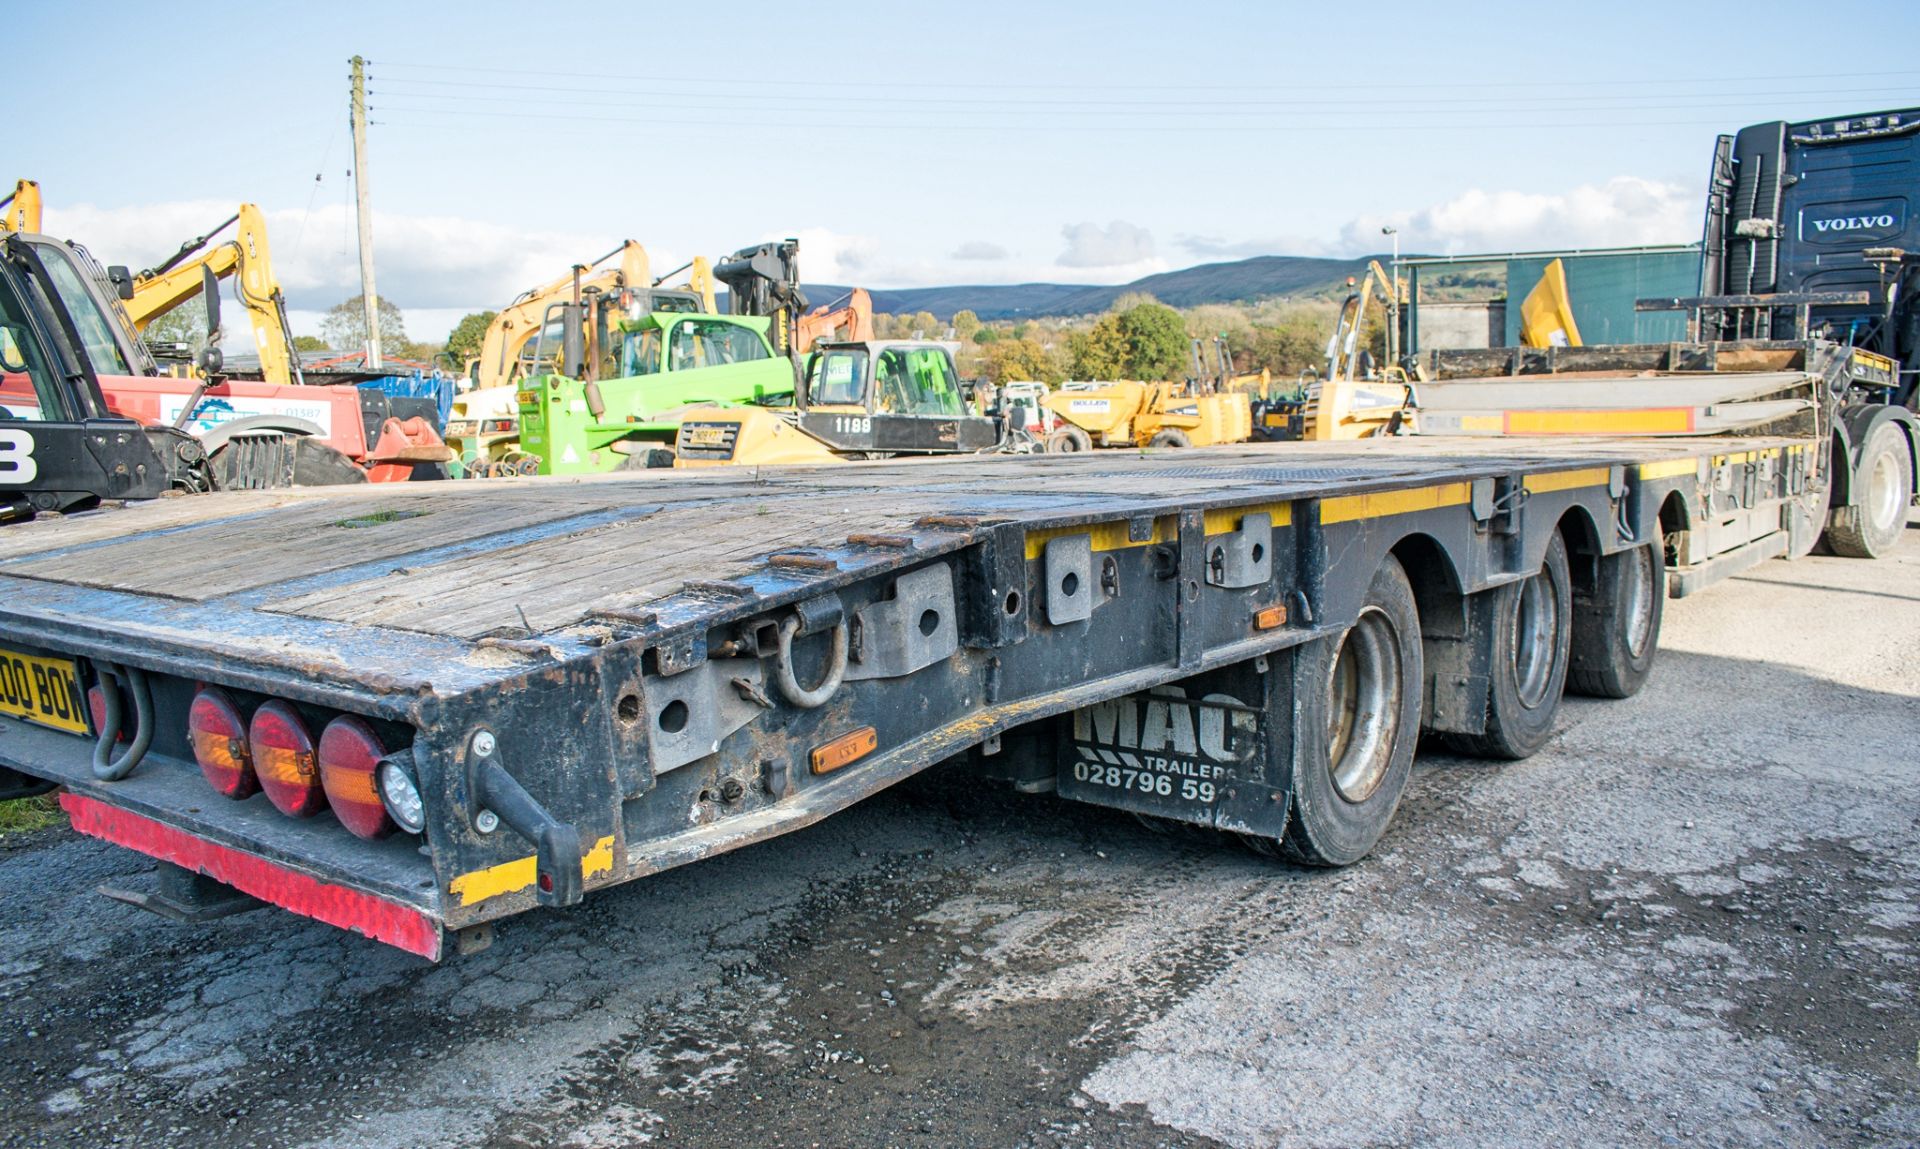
column 1245, row 557
column 690, row 713
column 916, row 628
column 1067, row 566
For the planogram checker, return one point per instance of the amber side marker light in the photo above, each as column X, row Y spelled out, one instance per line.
column 1271, row 617
column 844, row 750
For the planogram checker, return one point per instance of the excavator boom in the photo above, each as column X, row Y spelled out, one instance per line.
column 246, row 259
column 22, row 209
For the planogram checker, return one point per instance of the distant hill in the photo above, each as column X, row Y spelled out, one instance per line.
column 1242, row 280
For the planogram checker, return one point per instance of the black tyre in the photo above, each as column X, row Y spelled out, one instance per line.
column 1531, row 633
column 1170, row 437
column 1069, row 440
column 1358, row 702
column 1882, row 486
column 1616, row 629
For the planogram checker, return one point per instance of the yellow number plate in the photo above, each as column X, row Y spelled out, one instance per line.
column 706, row 436
column 43, row 690
column 526, row 398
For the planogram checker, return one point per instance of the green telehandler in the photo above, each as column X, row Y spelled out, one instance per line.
column 627, row 380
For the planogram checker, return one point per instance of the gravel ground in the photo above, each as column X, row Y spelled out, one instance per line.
column 1690, row 920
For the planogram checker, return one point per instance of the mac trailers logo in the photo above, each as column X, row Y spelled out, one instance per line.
column 1163, row 744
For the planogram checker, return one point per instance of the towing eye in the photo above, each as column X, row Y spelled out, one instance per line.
column 106, row 767
column 790, row 688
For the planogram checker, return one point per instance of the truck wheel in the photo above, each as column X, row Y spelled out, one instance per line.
column 1171, row 437
column 1069, row 440
column 1882, row 484
column 1617, row 630
column 1532, row 625
column 1358, row 698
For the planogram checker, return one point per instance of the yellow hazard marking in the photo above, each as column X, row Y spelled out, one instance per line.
column 1567, row 480
column 1226, row 520
column 1111, row 536
column 1643, row 422
column 1381, row 504
column 1670, row 469
column 1492, row 424
column 518, row 874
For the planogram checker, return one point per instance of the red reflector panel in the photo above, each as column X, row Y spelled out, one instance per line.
column 220, row 744
column 349, row 753
column 364, row 913
column 283, row 757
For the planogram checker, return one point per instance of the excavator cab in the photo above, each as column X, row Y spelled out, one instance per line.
column 61, row 448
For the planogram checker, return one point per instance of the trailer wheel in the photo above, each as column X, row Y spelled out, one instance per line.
column 1069, row 440
column 1617, row 630
column 1882, row 484
column 1359, row 708
column 1531, row 632
column 1171, row 437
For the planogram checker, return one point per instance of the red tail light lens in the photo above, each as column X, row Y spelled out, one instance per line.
column 284, row 759
column 219, row 738
column 350, row 753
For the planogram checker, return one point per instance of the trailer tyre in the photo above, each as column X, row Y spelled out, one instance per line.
column 1069, row 440
column 1616, row 630
column 1532, row 631
column 1358, row 720
column 1171, row 437
column 1882, row 485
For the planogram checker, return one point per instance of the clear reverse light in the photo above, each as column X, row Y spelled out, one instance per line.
column 401, row 796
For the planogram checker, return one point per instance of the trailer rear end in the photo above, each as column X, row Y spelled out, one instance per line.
column 660, row 667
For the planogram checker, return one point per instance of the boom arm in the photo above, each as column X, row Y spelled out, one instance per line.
column 519, row 323
column 161, row 289
column 23, row 209
column 850, row 324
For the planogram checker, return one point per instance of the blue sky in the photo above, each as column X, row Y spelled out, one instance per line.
column 912, row 144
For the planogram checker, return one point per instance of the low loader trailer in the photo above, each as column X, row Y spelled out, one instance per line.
column 663, row 666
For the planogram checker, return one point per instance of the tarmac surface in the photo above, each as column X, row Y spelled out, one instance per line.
column 1690, row 920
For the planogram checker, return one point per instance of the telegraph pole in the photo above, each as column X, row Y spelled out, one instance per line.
column 369, row 298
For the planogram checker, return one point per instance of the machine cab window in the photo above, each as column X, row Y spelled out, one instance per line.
column 708, row 343
column 918, row 381
column 27, row 381
column 838, row 378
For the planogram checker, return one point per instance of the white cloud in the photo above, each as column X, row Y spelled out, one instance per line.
column 1623, row 211
column 425, row 263
column 979, row 249
column 1116, row 245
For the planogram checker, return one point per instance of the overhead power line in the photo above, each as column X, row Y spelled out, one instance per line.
column 922, row 83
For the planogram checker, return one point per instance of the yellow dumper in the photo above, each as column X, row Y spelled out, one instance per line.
column 1146, row 415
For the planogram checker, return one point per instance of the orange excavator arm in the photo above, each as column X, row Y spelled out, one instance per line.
column 851, row 323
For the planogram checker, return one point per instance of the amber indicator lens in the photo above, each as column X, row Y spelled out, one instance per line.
column 284, row 759
column 844, row 750
column 219, row 738
column 350, row 753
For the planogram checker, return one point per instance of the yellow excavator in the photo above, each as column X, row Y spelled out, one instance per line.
column 244, row 258
column 1355, row 399
column 484, row 428
column 22, row 209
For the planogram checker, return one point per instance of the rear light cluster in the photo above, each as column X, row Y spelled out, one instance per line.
column 274, row 752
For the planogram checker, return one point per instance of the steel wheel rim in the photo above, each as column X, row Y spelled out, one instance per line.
column 1639, row 601
column 1535, row 623
column 1363, row 704
column 1883, row 494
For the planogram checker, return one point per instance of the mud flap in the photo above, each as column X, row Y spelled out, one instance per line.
column 1210, row 750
